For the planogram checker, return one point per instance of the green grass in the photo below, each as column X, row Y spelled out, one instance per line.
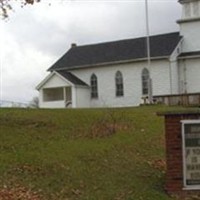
column 85, row 154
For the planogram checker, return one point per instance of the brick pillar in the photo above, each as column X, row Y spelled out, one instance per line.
column 174, row 172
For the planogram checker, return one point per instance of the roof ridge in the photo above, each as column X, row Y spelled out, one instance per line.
column 123, row 40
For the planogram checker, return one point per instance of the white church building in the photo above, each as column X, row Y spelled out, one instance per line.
column 115, row 74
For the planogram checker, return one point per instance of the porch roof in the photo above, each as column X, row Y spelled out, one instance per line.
column 66, row 76
column 72, row 78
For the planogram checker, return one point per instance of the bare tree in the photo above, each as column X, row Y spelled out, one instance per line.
column 6, row 5
column 34, row 102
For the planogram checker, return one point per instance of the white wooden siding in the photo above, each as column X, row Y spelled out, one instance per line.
column 132, row 82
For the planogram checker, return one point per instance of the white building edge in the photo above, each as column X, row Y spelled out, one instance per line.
column 115, row 74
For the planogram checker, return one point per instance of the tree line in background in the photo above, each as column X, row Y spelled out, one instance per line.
column 6, row 5
column 34, row 103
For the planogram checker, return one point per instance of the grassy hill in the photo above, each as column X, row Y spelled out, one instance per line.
column 86, row 154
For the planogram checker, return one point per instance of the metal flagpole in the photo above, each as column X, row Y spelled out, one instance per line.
column 148, row 53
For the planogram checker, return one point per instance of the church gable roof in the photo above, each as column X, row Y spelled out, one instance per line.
column 117, row 51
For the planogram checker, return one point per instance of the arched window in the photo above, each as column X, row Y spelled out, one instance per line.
column 119, row 84
column 94, row 86
column 145, row 81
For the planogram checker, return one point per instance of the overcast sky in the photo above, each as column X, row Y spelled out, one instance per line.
column 36, row 36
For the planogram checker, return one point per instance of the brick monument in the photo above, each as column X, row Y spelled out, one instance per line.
column 182, row 133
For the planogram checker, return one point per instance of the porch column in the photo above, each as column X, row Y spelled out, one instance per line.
column 64, row 93
column 73, row 96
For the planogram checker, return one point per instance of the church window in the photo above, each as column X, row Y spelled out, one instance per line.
column 119, row 84
column 145, row 81
column 94, row 86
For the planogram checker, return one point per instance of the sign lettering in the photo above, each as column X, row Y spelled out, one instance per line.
column 191, row 150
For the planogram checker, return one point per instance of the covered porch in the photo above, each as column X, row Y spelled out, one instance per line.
column 63, row 90
column 58, row 97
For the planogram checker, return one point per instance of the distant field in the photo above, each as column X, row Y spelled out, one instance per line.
column 82, row 154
